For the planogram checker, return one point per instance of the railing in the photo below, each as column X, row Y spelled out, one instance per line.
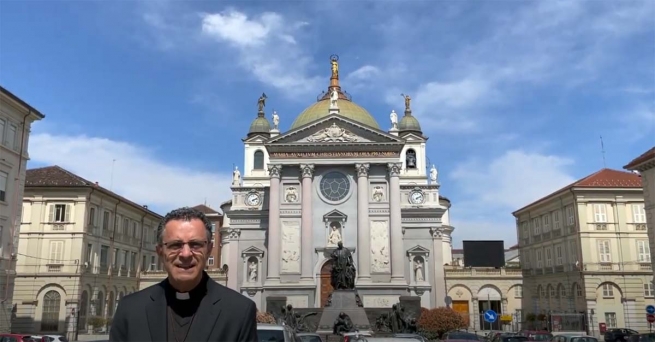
column 618, row 267
column 457, row 271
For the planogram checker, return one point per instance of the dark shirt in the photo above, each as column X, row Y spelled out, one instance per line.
column 181, row 313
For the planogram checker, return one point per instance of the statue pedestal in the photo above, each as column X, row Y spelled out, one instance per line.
column 343, row 301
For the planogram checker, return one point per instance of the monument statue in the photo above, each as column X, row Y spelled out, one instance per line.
column 236, row 177
column 343, row 268
column 394, row 119
column 298, row 322
column 335, row 235
column 334, row 61
column 252, row 272
column 418, row 270
column 276, row 120
column 433, row 174
column 261, row 102
column 408, row 101
column 343, row 324
column 334, row 98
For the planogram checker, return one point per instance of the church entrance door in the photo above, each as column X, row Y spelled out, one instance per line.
column 326, row 285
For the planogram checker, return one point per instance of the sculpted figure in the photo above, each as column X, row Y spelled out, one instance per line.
column 418, row 270
column 433, row 174
column 335, row 67
column 236, row 177
column 343, row 268
column 261, row 102
column 343, row 324
column 291, row 195
column 276, row 120
column 394, row 119
column 408, row 101
column 252, row 272
column 335, row 235
column 378, row 193
column 334, row 97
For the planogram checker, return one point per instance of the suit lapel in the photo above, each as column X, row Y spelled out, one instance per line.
column 207, row 314
column 156, row 314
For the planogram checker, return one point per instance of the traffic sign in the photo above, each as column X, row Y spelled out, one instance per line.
column 650, row 309
column 490, row 316
column 650, row 318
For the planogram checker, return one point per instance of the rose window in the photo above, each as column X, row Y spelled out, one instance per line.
column 335, row 186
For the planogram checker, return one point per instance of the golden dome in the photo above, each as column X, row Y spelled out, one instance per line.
column 347, row 108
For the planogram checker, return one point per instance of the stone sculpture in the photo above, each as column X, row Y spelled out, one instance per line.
column 394, row 119
column 236, row 177
column 335, row 235
column 296, row 321
column 433, row 174
column 418, row 270
column 276, row 120
column 378, row 193
column 291, row 194
column 343, row 324
column 252, row 272
column 343, row 269
column 261, row 102
column 334, row 98
column 333, row 133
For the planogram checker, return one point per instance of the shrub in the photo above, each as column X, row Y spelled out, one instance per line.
column 265, row 317
column 435, row 322
column 97, row 322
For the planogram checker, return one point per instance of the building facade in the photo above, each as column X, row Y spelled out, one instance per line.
column 473, row 290
column 335, row 175
column 584, row 250
column 645, row 165
column 16, row 118
column 216, row 219
column 81, row 249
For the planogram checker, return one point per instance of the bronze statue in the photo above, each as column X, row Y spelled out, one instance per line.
column 343, row 324
column 343, row 268
column 261, row 102
column 334, row 60
column 408, row 101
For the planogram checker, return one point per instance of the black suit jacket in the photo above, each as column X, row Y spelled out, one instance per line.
column 224, row 315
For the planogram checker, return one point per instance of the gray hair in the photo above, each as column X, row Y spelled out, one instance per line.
column 184, row 214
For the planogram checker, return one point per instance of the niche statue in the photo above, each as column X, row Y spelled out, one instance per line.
column 343, row 269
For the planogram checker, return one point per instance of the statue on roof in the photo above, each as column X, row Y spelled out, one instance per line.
column 408, row 101
column 334, row 97
column 261, row 102
column 433, row 174
column 394, row 119
column 276, row 120
column 334, row 60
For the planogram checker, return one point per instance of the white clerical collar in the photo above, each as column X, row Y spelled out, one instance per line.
column 182, row 295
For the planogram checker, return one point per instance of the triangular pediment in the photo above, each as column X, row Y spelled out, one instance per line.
column 256, row 139
column 413, row 137
column 252, row 250
column 418, row 250
column 335, row 215
column 334, row 129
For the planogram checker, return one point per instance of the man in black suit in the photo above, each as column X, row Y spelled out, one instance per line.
column 188, row 306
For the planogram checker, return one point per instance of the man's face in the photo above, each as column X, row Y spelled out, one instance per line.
column 184, row 250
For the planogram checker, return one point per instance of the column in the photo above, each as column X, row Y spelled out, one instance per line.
column 363, row 225
column 396, row 232
column 274, row 240
column 307, row 255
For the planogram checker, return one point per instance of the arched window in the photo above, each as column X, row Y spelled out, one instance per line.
column 50, row 314
column 410, row 159
column 258, row 163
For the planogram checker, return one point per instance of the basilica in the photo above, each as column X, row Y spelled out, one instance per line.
column 336, row 176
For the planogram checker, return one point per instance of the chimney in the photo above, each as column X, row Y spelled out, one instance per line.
column 97, row 184
column 145, row 206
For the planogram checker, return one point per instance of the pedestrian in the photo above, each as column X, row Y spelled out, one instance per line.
column 187, row 306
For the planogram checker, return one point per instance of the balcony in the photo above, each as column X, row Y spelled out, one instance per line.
column 481, row 272
column 644, row 267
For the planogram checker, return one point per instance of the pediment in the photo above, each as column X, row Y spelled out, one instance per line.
column 335, row 215
column 334, row 129
column 252, row 250
column 256, row 139
column 418, row 250
column 413, row 137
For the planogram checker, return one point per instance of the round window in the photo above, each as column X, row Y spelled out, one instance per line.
column 335, row 186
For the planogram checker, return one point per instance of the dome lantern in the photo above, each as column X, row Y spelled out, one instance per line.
column 260, row 126
column 409, row 123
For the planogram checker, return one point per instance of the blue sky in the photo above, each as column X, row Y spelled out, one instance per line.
column 513, row 94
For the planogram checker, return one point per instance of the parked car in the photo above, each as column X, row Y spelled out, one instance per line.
column 648, row 337
column 536, row 335
column 276, row 333
column 310, row 337
column 619, row 334
column 19, row 338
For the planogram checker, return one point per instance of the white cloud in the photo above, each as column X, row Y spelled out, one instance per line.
column 137, row 174
column 493, row 190
column 267, row 47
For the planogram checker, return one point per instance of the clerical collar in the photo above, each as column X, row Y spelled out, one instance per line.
column 198, row 292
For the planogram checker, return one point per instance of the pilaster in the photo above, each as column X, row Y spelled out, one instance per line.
column 396, row 232
column 306, row 261
column 274, row 240
column 363, row 225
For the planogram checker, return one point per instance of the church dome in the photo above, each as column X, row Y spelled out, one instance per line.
column 259, row 126
column 409, row 123
column 347, row 108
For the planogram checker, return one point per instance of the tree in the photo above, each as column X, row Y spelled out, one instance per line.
column 435, row 322
column 265, row 317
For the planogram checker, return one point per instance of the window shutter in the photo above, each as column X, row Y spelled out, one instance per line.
column 56, row 251
column 68, row 213
column 51, row 214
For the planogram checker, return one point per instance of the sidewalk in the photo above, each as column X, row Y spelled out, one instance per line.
column 85, row 337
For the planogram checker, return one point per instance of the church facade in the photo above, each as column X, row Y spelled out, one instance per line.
column 336, row 176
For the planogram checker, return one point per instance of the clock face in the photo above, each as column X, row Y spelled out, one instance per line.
column 416, row 197
column 252, row 199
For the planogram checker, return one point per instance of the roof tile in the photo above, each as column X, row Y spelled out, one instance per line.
column 643, row 158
